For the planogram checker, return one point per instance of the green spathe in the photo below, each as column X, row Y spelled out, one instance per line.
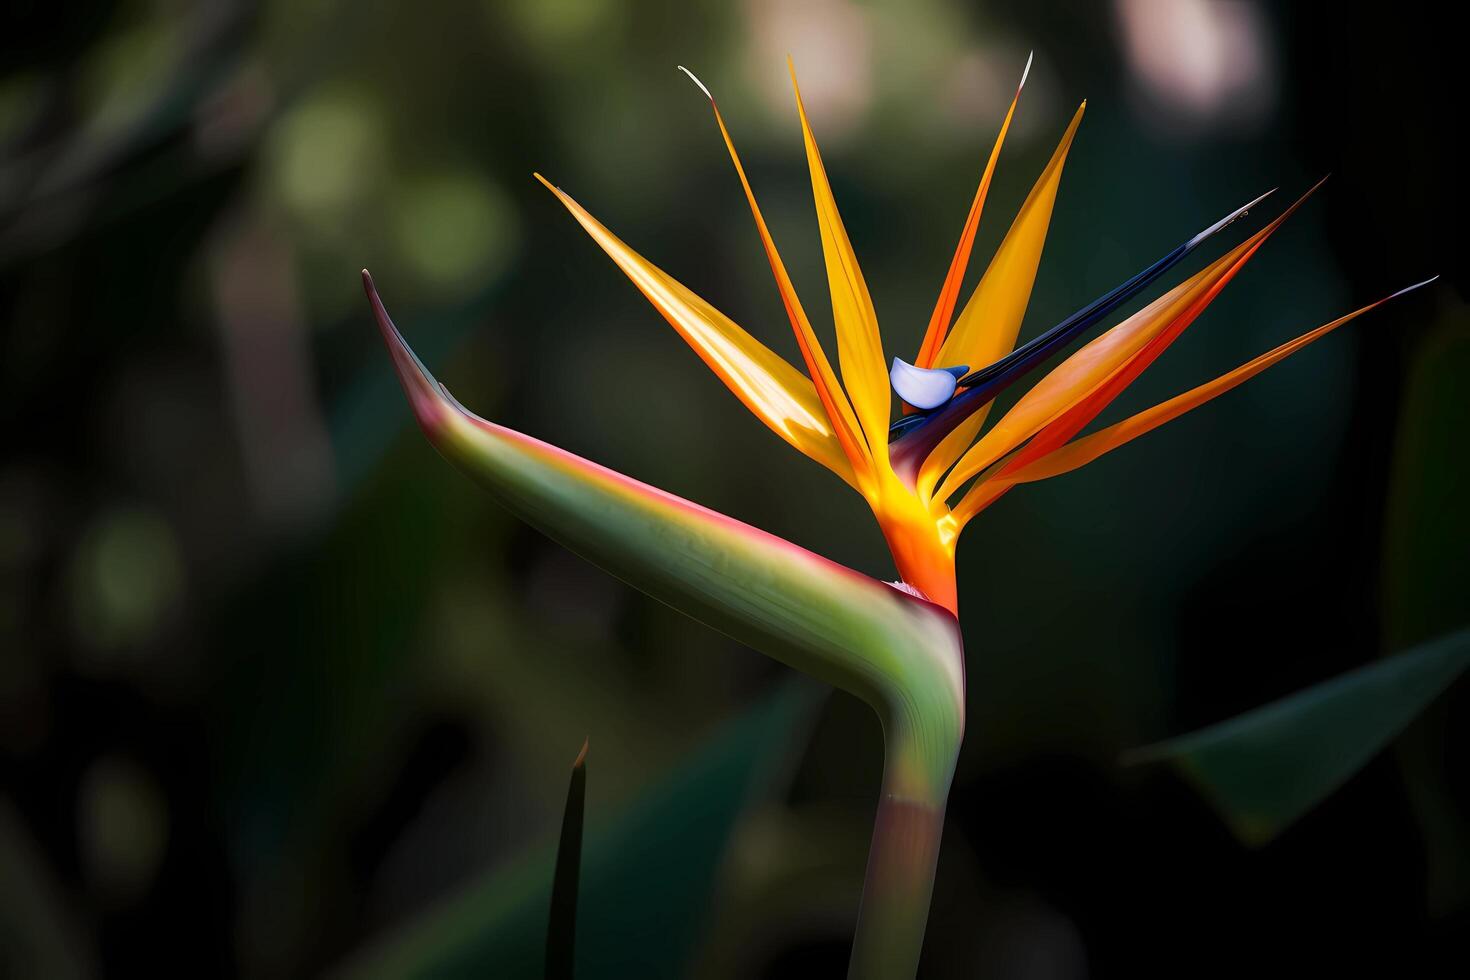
column 900, row 654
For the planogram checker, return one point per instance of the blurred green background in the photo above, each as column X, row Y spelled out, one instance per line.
column 276, row 682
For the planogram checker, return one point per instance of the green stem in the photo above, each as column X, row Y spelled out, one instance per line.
column 919, row 759
column 896, row 892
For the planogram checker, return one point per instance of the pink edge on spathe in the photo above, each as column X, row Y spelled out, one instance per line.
column 437, row 410
column 418, row 384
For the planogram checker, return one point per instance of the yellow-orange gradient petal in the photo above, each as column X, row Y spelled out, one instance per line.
column 777, row 393
column 1090, row 369
column 949, row 293
column 1090, row 447
column 987, row 327
column 834, row 400
column 859, row 345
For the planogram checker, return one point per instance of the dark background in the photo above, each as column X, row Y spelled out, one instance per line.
column 275, row 680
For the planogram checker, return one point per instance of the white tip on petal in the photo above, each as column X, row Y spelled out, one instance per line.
column 1232, row 216
column 1027, row 72
column 696, row 81
column 1410, row 289
column 923, row 388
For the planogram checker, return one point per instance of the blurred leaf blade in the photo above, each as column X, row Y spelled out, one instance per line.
column 1426, row 527
column 647, row 877
column 561, row 932
column 1264, row 769
column 1425, row 565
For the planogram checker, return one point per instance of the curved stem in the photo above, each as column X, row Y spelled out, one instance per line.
column 899, row 883
column 921, row 744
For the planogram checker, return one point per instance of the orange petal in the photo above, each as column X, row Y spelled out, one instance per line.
column 833, row 398
column 777, row 393
column 987, row 327
column 1093, row 376
column 1078, row 374
column 950, row 292
column 1089, row 448
column 859, row 345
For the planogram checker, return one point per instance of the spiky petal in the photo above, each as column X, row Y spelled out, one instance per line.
column 843, row 421
column 774, row 391
column 1082, row 451
column 920, row 436
column 988, row 325
column 949, row 293
column 1103, row 367
column 859, row 345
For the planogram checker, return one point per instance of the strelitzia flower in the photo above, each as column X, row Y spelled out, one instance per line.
column 925, row 474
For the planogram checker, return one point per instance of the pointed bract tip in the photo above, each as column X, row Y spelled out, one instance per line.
column 1026, row 72
column 1261, row 198
column 418, row 382
column 1310, row 191
column 1075, row 123
column 546, row 183
column 695, row 79
column 1229, row 219
column 1417, row 285
column 1242, row 211
column 582, row 756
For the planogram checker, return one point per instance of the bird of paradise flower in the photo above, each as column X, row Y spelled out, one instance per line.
column 926, row 475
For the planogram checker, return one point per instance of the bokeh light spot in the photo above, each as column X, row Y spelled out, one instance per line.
column 126, row 576
column 327, row 153
column 554, row 23
column 454, row 229
column 122, row 826
column 128, row 70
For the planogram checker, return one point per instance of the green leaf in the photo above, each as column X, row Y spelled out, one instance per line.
column 1425, row 566
column 1264, row 769
column 561, row 931
column 646, row 878
column 1426, row 563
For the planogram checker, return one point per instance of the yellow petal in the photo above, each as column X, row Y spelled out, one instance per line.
column 1089, row 448
column 777, row 393
column 859, row 346
column 834, row 400
column 949, row 293
column 1105, row 360
column 987, row 327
